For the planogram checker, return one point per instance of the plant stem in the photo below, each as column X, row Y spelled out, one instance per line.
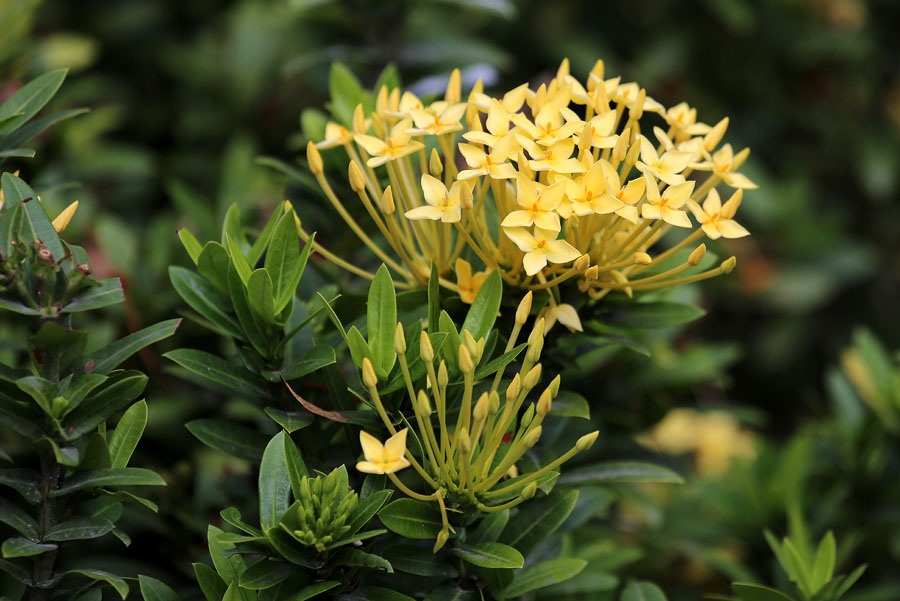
column 47, row 517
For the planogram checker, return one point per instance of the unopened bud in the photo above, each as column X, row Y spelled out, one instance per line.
column 463, row 441
column 620, row 150
column 543, row 404
column 470, row 342
column 454, row 88
column 532, row 377
column 426, row 351
column 592, row 273
column 378, row 126
column 494, row 402
column 512, row 391
column 424, row 403
column 481, row 407
column 359, row 118
column 59, row 405
column 62, row 220
column 695, row 257
column 714, row 136
column 435, row 166
column 587, row 136
column 368, row 374
column 387, row 201
column 512, row 472
column 637, row 109
column 465, row 360
column 587, row 441
column 466, row 198
column 554, row 385
column 642, row 259
column 527, row 417
column 357, row 179
column 314, row 159
column 442, row 375
column 529, row 491
column 399, row 340
column 530, row 439
column 524, row 308
column 582, row 263
column 728, row 264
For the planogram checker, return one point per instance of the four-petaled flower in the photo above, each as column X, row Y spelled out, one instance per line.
column 495, row 164
column 588, row 194
column 440, row 118
column 442, row 204
column 666, row 167
column 398, row 144
column 552, row 124
column 667, row 206
column 335, row 135
column 722, row 163
column 716, row 219
column 467, row 282
column 539, row 204
column 384, row 458
column 541, row 247
column 556, row 158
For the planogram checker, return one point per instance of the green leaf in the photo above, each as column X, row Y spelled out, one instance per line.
column 368, row 506
column 359, row 349
column 112, row 355
column 282, row 258
column 223, row 375
column 233, row 517
column 296, row 275
column 191, row 244
column 22, row 547
column 228, row 566
column 823, row 569
column 200, row 295
column 128, row 432
column 40, row 390
column 499, row 362
column 256, row 330
column 418, row 560
column 755, row 592
column 490, row 528
column 67, row 456
column 490, row 555
column 544, row 574
column 16, row 518
column 434, row 299
column 642, row 591
column 211, row 585
column 570, row 404
column 109, row 292
column 296, row 468
column 10, row 222
column 381, row 320
column 155, row 590
column 19, row 415
column 259, row 295
column 274, row 483
column 360, row 559
column 312, row 590
column 78, row 529
column 451, row 345
column 23, row 481
column 619, row 471
column 115, row 394
column 265, row 574
column 29, row 99
column 412, row 519
column 346, row 93
column 238, row 260
column 651, row 315
column 117, row 582
column 231, row 438
column 113, row 476
column 29, row 130
column 261, row 244
column 213, row 264
column 315, row 359
column 538, row 519
column 483, row 312
column 36, row 224
column 290, row 421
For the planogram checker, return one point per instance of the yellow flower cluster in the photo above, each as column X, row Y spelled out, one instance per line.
column 571, row 180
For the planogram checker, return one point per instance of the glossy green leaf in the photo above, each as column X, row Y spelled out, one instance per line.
column 538, row 519
column 255, row 328
column 619, row 471
column 483, row 312
column 823, row 568
column 103, row 402
column 128, row 432
column 116, row 582
column 412, row 519
column 290, row 421
column 313, row 360
column 490, row 555
column 223, row 375
column 108, row 293
column 419, row 560
column 213, row 264
column 265, row 574
column 238, row 260
column 259, row 295
column 190, row 243
column 36, row 224
column 274, row 483
column 114, row 476
column 155, row 590
column 16, row 518
column 367, row 507
column 381, row 320
column 346, row 93
column 755, row 592
column 500, row 362
column 570, row 404
column 22, row 547
column 282, row 258
column 229, row 566
column 261, row 244
column 26, row 132
column 203, row 298
column 30, row 99
column 544, row 574
column 229, row 437
column 451, row 345
column 112, row 355
column 490, row 527
column 296, row 467
column 211, row 585
column 65, row 455
column 312, row 590
column 356, row 558
column 78, row 529
column 23, row 481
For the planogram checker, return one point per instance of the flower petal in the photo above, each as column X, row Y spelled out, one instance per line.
column 371, row 446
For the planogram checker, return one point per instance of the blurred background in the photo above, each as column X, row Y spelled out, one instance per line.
column 184, row 96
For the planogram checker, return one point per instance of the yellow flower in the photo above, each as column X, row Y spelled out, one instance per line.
column 495, row 164
column 552, row 124
column 468, row 283
column 398, row 144
column 440, row 118
column 723, row 164
column 588, row 194
column 602, row 130
column 497, row 125
column 383, row 459
column 541, row 247
column 335, row 135
column 556, row 158
column 442, row 205
column 565, row 314
column 666, row 206
column 684, row 119
column 629, row 194
column 409, row 102
column 62, row 220
column 715, row 219
column 538, row 204
column 666, row 167
column 511, row 102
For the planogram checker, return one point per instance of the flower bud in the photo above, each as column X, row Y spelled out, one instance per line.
column 697, row 255
column 587, row 441
column 554, row 386
column 466, row 198
column 424, row 403
column 442, row 375
column 512, row 472
column 454, row 88
column 358, row 122
column 524, row 308
column 357, row 179
column 463, row 441
column 728, row 264
column 469, row 341
column 493, row 402
column 642, row 259
column 440, row 541
column 378, row 127
column 531, row 437
column 59, row 405
column 529, row 491
column 435, row 166
column 387, row 201
column 368, row 374
column 592, row 273
column 314, row 159
column 637, row 109
column 512, row 391
column 62, row 220
column 465, row 360
column 582, row 263
column 620, row 150
column 532, row 377
column 399, row 340
column 480, row 411
column 543, row 404
column 426, row 351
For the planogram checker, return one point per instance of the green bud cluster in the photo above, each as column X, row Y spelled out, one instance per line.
column 321, row 513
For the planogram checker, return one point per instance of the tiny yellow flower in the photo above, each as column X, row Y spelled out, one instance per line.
column 684, row 119
column 541, row 247
column 552, row 124
column 556, row 158
column 468, row 283
column 627, row 93
column 565, row 314
column 539, row 204
column 398, row 144
column 383, row 459
column 666, row 167
column 629, row 194
column 588, row 194
column 442, row 204
column 511, row 102
column 723, row 164
column 62, row 220
column 715, row 219
column 497, row 126
column 602, row 130
column 667, row 206
column 335, row 135
column 409, row 102
column 496, row 164
column 440, row 118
